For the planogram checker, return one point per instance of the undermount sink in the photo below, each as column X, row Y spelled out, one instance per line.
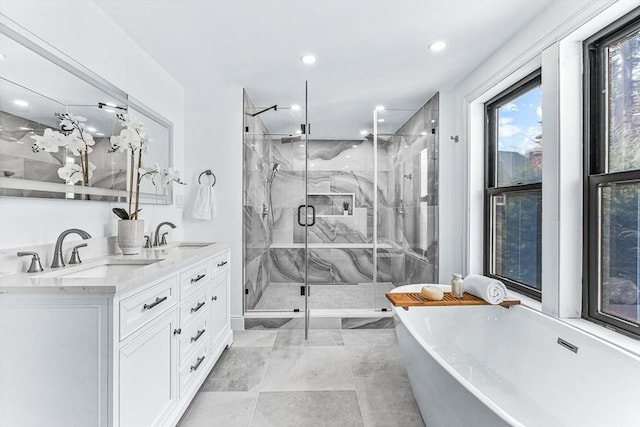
column 193, row 245
column 100, row 271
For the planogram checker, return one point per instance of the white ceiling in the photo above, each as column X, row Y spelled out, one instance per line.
column 369, row 52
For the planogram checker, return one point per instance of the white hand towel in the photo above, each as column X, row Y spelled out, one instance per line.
column 491, row 290
column 202, row 204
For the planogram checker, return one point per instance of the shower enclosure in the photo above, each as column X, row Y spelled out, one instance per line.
column 332, row 224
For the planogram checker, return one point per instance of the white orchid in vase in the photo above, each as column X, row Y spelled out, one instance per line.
column 76, row 139
column 134, row 138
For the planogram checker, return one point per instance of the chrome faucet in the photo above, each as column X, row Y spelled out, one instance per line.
column 156, row 240
column 58, row 261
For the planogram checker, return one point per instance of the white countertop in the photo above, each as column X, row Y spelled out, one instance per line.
column 172, row 258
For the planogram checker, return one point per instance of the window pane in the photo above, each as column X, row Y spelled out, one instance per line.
column 624, row 104
column 516, row 237
column 520, row 139
column 620, row 250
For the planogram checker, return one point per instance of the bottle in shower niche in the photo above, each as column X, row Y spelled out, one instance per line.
column 457, row 289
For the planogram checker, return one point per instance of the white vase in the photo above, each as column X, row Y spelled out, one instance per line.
column 130, row 235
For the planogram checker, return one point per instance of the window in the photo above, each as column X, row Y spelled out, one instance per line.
column 513, row 190
column 612, row 176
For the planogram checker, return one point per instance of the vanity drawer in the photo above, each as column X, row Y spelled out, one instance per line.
column 220, row 262
column 193, row 306
column 139, row 309
column 193, row 336
column 193, row 278
column 194, row 366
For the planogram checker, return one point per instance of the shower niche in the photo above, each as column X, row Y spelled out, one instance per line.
column 332, row 204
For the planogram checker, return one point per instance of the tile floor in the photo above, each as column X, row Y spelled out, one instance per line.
column 338, row 377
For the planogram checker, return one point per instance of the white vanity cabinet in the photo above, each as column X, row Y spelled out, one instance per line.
column 130, row 359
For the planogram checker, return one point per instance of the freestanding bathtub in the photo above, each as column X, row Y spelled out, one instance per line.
column 491, row 366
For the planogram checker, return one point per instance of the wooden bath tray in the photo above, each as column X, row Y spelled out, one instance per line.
column 415, row 299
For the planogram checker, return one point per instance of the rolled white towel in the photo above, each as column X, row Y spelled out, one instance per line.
column 491, row 290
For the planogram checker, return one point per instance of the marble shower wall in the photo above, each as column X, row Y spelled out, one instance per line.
column 411, row 216
column 339, row 171
column 256, row 236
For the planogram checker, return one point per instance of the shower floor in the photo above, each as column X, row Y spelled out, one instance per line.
column 286, row 296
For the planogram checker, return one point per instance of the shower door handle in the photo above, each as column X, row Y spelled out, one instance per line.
column 306, row 216
column 313, row 217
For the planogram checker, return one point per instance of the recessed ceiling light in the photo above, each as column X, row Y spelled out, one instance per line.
column 21, row 103
column 406, row 146
column 91, row 129
column 354, row 146
column 379, row 107
column 311, row 164
column 295, row 107
column 308, row 59
column 437, row 46
column 433, row 121
column 364, row 132
column 99, row 134
column 380, row 120
column 423, row 132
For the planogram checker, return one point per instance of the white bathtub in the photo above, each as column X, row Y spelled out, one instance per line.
column 491, row 366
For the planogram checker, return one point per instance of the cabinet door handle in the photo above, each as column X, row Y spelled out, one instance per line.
column 220, row 264
column 197, row 307
column 197, row 336
column 214, row 298
column 153, row 304
column 198, row 277
column 197, row 365
column 177, row 331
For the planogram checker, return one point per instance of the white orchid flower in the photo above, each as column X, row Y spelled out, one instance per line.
column 79, row 142
column 49, row 141
column 69, row 122
column 71, row 173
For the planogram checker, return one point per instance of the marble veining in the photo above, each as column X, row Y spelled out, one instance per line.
column 406, row 195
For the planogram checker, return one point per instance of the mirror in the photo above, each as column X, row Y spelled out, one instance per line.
column 56, row 120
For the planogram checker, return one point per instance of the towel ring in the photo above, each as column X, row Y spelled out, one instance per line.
column 208, row 172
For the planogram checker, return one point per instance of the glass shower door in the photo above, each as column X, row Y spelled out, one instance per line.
column 274, row 189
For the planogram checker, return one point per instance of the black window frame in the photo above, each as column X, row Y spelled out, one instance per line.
column 595, row 164
column 491, row 188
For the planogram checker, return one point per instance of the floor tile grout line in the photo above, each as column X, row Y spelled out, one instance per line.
column 266, row 368
column 353, row 378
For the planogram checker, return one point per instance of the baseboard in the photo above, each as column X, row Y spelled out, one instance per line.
column 237, row 323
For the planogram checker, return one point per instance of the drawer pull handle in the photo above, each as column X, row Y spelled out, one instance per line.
column 177, row 331
column 197, row 336
column 220, row 264
column 153, row 304
column 197, row 365
column 198, row 277
column 197, row 307
column 214, row 298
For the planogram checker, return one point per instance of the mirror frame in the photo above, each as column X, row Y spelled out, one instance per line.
column 50, row 53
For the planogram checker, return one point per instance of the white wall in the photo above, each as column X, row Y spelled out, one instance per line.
column 213, row 118
column 85, row 33
column 538, row 44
